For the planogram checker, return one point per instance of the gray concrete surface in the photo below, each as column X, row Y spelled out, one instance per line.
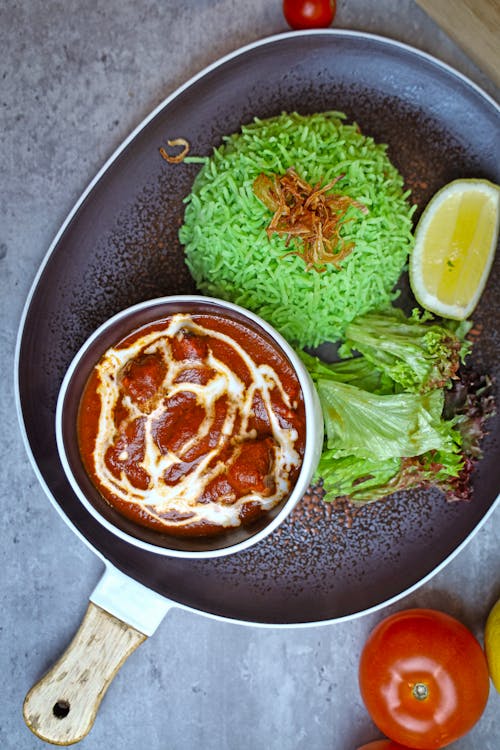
column 75, row 78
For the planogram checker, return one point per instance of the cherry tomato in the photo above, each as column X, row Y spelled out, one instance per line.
column 309, row 14
column 423, row 678
column 383, row 745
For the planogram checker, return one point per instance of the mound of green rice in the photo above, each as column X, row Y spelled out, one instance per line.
column 224, row 232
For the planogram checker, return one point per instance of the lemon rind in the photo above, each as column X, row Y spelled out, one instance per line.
column 429, row 301
column 491, row 634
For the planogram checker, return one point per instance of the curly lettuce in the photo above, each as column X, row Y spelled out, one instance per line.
column 416, row 354
column 401, row 414
column 373, row 426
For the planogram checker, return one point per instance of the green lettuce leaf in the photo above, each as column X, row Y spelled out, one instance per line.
column 374, row 426
column 364, row 481
column 356, row 371
column 400, row 415
column 415, row 353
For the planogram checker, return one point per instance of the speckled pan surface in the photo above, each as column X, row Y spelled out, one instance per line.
column 120, row 247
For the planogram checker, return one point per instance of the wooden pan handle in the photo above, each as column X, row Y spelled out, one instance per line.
column 62, row 706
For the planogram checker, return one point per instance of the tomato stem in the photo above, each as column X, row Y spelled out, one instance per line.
column 420, row 691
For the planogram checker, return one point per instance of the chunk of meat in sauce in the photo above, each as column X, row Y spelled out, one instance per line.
column 178, row 471
column 219, row 490
column 200, row 375
column 179, row 422
column 259, row 417
column 213, row 438
column 190, row 347
column 127, row 452
column 141, row 380
column 252, row 469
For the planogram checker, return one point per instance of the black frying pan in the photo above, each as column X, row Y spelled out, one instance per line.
column 119, row 246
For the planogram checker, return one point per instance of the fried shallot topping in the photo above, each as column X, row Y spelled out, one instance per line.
column 178, row 157
column 310, row 213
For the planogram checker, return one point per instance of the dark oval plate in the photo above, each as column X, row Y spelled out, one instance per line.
column 119, row 246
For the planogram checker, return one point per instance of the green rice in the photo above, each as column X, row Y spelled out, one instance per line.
column 224, row 232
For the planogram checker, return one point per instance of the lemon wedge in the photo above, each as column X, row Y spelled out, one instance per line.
column 492, row 644
column 455, row 243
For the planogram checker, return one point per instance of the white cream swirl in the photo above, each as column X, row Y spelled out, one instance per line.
column 180, row 483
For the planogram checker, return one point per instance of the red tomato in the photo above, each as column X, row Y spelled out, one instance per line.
column 383, row 745
column 309, row 14
column 423, row 678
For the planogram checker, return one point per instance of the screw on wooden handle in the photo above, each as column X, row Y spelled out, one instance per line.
column 62, row 706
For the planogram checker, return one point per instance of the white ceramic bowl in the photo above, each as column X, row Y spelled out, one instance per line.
column 113, row 330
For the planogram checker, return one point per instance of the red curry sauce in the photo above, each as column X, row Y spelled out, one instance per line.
column 193, row 424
